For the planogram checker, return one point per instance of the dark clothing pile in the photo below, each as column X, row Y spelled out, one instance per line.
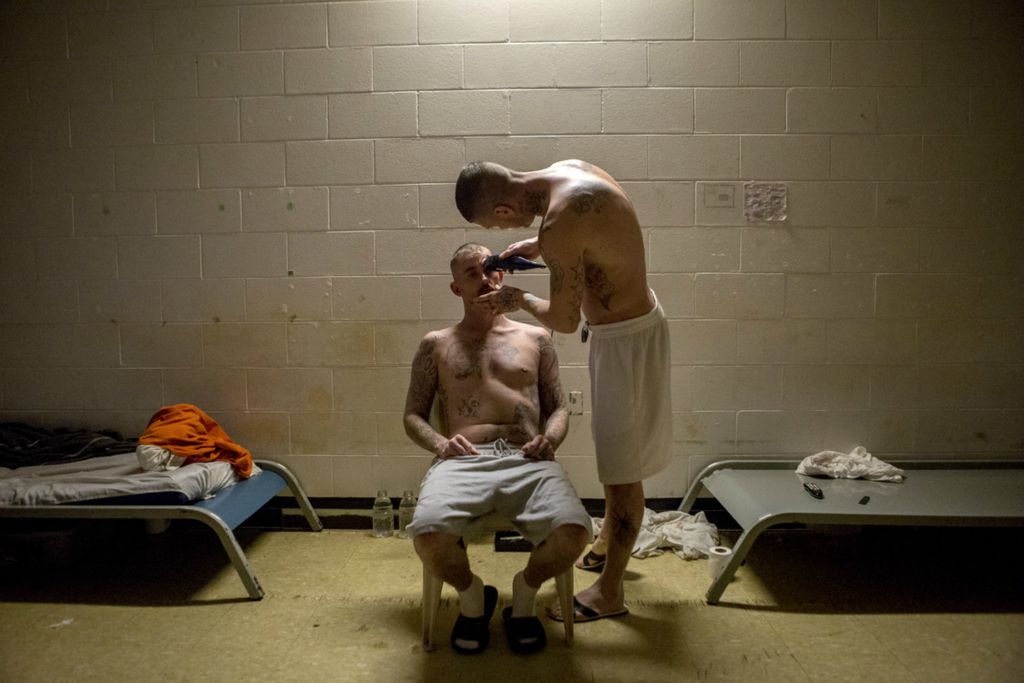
column 22, row 445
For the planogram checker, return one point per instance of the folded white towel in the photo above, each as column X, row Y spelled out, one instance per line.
column 857, row 464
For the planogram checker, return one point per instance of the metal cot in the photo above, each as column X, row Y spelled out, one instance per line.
column 762, row 493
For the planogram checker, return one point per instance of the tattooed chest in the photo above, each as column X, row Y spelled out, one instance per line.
column 480, row 360
column 466, row 359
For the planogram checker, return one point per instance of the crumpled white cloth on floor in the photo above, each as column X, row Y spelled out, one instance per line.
column 857, row 464
column 688, row 536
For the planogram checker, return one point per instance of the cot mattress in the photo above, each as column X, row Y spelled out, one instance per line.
column 113, row 479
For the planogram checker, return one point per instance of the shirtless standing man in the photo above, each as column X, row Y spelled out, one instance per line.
column 590, row 239
column 502, row 414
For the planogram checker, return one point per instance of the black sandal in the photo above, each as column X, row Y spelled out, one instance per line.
column 525, row 634
column 470, row 635
column 592, row 562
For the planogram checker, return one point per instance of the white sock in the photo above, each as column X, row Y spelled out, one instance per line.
column 524, row 598
column 471, row 600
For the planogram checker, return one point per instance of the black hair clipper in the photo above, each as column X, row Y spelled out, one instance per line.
column 509, row 265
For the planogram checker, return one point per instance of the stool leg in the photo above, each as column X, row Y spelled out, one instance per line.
column 564, row 586
column 431, row 599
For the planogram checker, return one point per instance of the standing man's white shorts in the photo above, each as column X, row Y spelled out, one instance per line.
column 630, row 389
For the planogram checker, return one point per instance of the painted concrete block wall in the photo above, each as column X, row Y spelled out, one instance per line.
column 248, row 206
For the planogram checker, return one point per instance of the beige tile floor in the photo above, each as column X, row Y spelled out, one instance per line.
column 341, row 606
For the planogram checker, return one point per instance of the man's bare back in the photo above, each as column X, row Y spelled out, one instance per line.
column 590, row 217
column 589, row 238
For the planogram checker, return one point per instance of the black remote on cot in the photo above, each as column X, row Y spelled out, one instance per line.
column 814, row 490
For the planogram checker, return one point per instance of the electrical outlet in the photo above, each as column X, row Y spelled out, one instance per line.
column 575, row 402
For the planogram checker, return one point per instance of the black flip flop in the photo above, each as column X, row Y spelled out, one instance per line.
column 470, row 630
column 525, row 634
column 592, row 562
column 582, row 613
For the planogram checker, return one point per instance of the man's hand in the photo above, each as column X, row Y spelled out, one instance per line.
column 525, row 248
column 456, row 446
column 539, row 448
column 505, row 300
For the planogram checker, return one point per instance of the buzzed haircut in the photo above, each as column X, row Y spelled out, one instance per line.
column 477, row 182
column 464, row 250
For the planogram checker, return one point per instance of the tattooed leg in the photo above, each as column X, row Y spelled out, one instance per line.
column 624, row 512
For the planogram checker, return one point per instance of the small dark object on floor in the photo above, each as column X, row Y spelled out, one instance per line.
column 511, row 542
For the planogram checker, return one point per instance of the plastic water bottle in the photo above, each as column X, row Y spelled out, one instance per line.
column 383, row 515
column 406, row 509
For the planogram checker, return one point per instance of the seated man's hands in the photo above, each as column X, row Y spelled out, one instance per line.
column 456, row 446
column 539, row 448
column 504, row 300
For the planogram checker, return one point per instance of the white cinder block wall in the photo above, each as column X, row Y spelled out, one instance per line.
column 248, row 206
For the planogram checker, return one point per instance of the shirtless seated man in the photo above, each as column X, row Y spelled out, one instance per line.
column 502, row 414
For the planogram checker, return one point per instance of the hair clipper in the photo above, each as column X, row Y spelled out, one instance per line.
column 510, row 264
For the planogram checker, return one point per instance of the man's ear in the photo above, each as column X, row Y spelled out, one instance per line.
column 456, row 290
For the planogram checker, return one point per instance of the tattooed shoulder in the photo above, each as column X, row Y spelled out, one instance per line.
column 536, row 201
column 425, row 353
column 589, row 198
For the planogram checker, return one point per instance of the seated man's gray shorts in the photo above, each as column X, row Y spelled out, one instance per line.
column 535, row 495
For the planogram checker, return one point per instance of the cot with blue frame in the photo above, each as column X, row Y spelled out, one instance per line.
column 760, row 494
column 222, row 513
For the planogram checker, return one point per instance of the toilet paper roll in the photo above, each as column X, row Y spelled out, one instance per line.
column 718, row 557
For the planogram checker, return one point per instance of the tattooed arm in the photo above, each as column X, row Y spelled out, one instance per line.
column 423, row 385
column 564, row 258
column 420, row 397
column 554, row 413
column 563, row 254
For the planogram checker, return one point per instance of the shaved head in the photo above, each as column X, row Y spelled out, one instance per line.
column 480, row 183
column 467, row 249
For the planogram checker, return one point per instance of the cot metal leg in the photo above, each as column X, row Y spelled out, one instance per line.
column 691, row 494
column 231, row 547
column 296, row 490
column 697, row 485
column 739, row 553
